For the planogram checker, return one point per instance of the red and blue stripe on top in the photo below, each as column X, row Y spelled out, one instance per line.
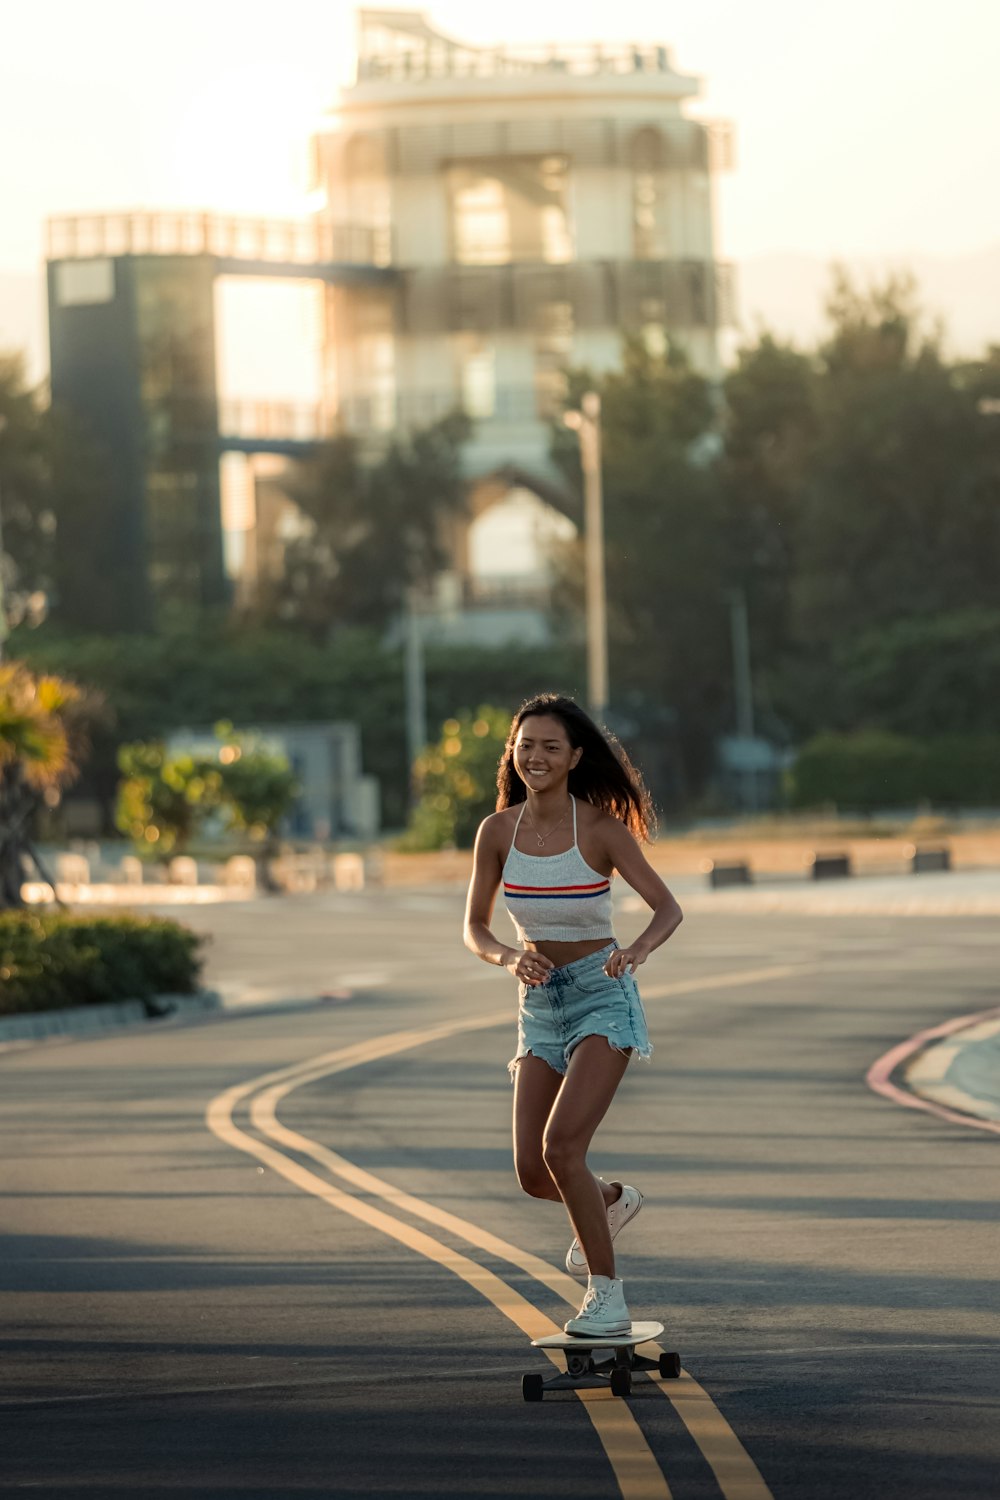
column 556, row 897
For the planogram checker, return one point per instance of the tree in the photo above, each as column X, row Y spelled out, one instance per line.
column 772, row 429
column 41, row 739
column 207, row 670
column 377, row 529
column 457, row 779
column 902, row 513
column 667, row 565
column 258, row 789
column 26, row 515
column 863, row 492
column 49, row 467
column 165, row 799
column 922, row 676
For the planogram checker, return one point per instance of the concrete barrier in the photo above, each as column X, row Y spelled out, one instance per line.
column 183, row 870
column 735, row 872
column 349, row 872
column 72, row 869
column 923, row 861
column 240, row 871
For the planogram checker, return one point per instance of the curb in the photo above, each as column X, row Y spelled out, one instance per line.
column 922, row 1063
column 92, row 1020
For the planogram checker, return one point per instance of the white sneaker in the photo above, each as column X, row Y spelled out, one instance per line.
column 603, row 1312
column 620, row 1213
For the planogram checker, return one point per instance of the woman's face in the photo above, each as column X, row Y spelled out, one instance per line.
column 543, row 755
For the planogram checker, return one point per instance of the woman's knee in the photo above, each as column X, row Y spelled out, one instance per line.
column 535, row 1179
column 561, row 1153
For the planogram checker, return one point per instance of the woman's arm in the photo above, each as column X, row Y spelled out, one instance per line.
column 630, row 862
column 487, row 872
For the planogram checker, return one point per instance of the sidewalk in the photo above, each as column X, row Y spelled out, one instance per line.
column 961, row 1071
column 963, row 893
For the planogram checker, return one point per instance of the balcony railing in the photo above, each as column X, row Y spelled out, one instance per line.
column 249, row 421
column 301, row 242
column 441, row 59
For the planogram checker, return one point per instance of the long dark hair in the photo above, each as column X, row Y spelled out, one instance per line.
column 603, row 775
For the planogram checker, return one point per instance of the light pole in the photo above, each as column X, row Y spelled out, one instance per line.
column 586, row 423
column 743, row 686
column 416, row 682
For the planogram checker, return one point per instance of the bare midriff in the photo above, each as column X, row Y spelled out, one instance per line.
column 568, row 953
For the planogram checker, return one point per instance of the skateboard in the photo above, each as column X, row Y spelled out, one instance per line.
column 600, row 1361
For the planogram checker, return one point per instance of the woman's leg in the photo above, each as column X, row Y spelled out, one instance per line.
column 594, row 1073
column 535, row 1088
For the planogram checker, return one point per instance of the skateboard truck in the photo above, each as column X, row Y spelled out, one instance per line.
column 596, row 1362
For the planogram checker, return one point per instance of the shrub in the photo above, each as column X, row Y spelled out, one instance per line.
column 50, row 960
column 872, row 769
column 457, row 779
column 164, row 799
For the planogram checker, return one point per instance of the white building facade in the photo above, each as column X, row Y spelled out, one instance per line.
column 536, row 205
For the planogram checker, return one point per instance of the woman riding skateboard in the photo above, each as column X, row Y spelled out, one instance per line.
column 569, row 807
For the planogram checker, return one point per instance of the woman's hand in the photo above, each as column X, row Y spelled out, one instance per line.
column 529, row 967
column 625, row 960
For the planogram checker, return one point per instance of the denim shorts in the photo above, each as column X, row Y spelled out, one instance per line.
column 577, row 1001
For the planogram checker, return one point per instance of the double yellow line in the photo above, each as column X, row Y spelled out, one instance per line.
column 636, row 1470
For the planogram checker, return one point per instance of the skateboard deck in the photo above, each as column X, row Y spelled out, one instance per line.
column 639, row 1334
column 606, row 1360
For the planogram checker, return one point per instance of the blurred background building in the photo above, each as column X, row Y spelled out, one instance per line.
column 485, row 219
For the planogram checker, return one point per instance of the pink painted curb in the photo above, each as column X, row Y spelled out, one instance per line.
column 878, row 1075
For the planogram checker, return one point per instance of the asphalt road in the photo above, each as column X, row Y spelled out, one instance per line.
column 241, row 1310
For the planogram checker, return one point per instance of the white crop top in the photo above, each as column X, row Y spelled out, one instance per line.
column 556, row 897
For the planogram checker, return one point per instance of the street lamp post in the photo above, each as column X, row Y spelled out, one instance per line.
column 586, row 423
column 416, row 683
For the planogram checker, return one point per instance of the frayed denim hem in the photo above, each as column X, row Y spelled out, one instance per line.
column 644, row 1054
column 512, row 1065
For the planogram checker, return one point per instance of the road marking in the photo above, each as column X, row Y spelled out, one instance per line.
column 633, row 1463
column 638, row 1474
column 879, row 1075
column 735, row 1471
column 737, row 979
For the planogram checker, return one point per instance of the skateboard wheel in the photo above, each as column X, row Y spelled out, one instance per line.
column 621, row 1382
column 670, row 1366
column 531, row 1387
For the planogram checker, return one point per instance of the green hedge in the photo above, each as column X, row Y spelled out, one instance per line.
column 872, row 769
column 52, row 960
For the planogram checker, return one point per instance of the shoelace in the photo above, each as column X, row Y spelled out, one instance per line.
column 594, row 1300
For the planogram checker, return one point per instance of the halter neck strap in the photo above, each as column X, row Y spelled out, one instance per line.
column 573, row 800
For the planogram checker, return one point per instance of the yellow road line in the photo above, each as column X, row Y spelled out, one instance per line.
column 638, row 1474
column 737, row 979
column 735, row 1471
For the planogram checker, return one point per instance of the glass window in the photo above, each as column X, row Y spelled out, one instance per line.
column 79, row 282
column 479, row 381
column 650, row 205
column 553, row 349
column 510, row 209
column 481, row 222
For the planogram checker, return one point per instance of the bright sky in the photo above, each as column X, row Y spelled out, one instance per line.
column 864, row 126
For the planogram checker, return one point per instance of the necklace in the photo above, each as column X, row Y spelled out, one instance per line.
column 542, row 841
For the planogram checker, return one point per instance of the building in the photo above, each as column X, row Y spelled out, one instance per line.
column 489, row 217
column 336, row 800
column 133, row 353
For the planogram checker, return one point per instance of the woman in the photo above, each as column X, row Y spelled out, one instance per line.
column 568, row 810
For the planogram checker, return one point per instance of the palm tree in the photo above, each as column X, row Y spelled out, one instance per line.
column 39, row 752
